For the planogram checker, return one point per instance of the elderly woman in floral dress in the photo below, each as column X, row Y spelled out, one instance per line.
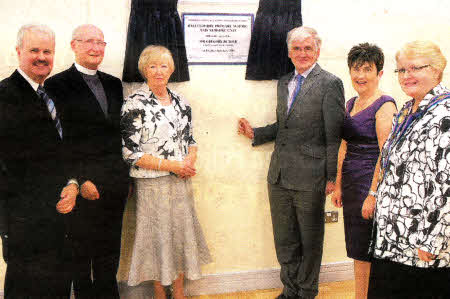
column 158, row 144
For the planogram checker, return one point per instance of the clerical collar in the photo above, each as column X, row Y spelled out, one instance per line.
column 84, row 70
column 33, row 84
column 306, row 73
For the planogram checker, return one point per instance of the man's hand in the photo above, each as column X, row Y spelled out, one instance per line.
column 425, row 256
column 368, row 207
column 336, row 198
column 245, row 128
column 68, row 199
column 89, row 191
column 330, row 187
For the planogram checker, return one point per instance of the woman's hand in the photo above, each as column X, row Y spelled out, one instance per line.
column 336, row 198
column 368, row 207
column 191, row 158
column 425, row 256
column 183, row 169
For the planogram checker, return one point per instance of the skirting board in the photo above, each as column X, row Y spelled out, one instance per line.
column 260, row 279
column 244, row 281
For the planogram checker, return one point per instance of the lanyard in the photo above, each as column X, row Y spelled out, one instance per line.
column 403, row 121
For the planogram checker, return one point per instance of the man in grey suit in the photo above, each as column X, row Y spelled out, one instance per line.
column 310, row 111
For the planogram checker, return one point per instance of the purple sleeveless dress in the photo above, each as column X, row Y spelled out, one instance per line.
column 357, row 171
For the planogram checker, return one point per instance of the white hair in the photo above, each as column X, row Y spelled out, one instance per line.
column 76, row 31
column 35, row 28
column 302, row 32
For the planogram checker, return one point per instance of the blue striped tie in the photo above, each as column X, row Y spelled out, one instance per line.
column 51, row 108
column 298, row 87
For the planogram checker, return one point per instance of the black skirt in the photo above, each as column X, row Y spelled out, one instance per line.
column 155, row 22
column 390, row 280
column 268, row 55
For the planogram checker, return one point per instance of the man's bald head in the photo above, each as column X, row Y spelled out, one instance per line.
column 88, row 45
column 81, row 30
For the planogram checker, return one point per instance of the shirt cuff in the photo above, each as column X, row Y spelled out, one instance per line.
column 73, row 181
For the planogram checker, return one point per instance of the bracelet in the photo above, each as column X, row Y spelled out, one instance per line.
column 159, row 163
column 373, row 193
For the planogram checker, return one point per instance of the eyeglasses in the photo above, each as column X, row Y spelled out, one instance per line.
column 308, row 50
column 92, row 42
column 411, row 70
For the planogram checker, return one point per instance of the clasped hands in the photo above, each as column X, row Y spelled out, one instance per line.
column 69, row 196
column 185, row 168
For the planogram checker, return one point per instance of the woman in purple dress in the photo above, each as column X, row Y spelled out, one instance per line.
column 365, row 129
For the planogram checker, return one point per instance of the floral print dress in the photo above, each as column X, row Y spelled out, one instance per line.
column 168, row 239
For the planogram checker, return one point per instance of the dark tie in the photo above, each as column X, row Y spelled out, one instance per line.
column 51, row 108
column 298, row 87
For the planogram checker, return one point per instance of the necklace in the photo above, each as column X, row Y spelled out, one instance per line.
column 361, row 105
column 160, row 94
column 166, row 100
column 166, row 97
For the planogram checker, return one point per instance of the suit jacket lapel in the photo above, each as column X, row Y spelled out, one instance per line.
column 32, row 101
column 30, row 96
column 284, row 94
column 310, row 80
column 25, row 87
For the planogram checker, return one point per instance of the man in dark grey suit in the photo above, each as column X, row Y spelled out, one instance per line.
column 310, row 111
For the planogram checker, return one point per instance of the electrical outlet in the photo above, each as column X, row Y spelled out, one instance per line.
column 331, row 216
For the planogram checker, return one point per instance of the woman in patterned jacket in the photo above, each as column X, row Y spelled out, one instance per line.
column 412, row 219
column 158, row 144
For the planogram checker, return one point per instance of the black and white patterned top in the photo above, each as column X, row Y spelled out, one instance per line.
column 413, row 197
column 151, row 128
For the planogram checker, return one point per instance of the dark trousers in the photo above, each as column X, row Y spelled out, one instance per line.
column 44, row 275
column 95, row 268
column 97, row 227
column 389, row 280
column 298, row 229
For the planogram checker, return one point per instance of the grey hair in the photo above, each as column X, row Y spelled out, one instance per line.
column 33, row 27
column 301, row 33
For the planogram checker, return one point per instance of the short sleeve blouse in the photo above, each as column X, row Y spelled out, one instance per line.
column 150, row 128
